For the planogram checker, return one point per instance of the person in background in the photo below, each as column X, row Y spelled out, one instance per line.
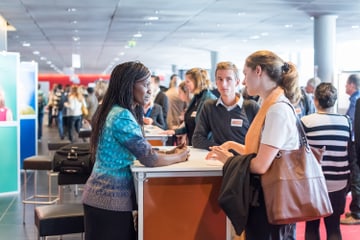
column 352, row 88
column 273, row 129
column 185, row 96
column 153, row 114
column 74, row 103
column 41, row 99
column 51, row 104
column 198, row 83
column 227, row 118
column 332, row 130
column 159, row 96
column 5, row 112
column 91, row 103
column 356, row 128
column 306, row 104
column 117, row 140
column 176, row 105
column 311, row 84
column 101, row 87
column 59, row 100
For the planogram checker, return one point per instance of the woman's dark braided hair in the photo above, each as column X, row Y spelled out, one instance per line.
column 120, row 92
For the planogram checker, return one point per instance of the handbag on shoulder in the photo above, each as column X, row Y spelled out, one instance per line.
column 294, row 185
column 74, row 158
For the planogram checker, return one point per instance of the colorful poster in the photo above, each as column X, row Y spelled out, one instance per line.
column 9, row 123
column 8, row 75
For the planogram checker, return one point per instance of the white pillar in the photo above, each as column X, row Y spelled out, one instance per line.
column 324, row 46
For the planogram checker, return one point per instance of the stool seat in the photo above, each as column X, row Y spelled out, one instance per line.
column 84, row 133
column 38, row 162
column 55, row 145
column 59, row 219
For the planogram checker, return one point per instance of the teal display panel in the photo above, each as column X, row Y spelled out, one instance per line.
column 9, row 123
column 8, row 161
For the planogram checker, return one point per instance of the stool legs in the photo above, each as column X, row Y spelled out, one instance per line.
column 34, row 199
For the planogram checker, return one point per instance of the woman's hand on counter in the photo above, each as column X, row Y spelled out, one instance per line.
column 219, row 153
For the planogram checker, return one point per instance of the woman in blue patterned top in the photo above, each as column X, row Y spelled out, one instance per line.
column 117, row 140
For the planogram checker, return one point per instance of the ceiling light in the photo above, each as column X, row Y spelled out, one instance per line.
column 74, row 22
column 76, row 38
column 355, row 26
column 264, row 34
column 71, row 9
column 153, row 18
column 36, row 52
column 137, row 35
column 26, row 44
column 254, row 37
column 288, row 26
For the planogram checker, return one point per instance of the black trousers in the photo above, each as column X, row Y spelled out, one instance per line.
column 108, row 225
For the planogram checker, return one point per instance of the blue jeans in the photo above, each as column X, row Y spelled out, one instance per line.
column 74, row 121
column 60, row 125
column 40, row 124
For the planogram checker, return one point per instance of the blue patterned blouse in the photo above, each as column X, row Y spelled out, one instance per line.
column 110, row 185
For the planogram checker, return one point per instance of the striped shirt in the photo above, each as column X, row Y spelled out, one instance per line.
column 333, row 132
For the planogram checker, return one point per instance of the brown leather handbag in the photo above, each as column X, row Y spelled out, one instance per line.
column 294, row 185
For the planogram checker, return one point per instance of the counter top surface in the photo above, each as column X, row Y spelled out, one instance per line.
column 195, row 163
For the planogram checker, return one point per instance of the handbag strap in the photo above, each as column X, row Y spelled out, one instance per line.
column 302, row 136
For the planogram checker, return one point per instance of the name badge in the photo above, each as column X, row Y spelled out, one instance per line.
column 236, row 122
column 298, row 110
column 193, row 114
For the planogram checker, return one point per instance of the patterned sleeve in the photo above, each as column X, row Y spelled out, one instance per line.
column 128, row 132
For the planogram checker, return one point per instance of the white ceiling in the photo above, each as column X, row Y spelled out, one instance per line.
column 185, row 34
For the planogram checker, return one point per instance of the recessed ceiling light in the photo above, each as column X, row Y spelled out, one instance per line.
column 254, row 37
column 288, row 26
column 36, row 52
column 71, row 9
column 26, row 44
column 76, row 38
column 152, row 18
column 137, row 35
column 355, row 26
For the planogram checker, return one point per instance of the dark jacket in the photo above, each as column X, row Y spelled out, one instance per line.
column 163, row 101
column 236, row 193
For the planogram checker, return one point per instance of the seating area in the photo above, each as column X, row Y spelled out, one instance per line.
column 61, row 218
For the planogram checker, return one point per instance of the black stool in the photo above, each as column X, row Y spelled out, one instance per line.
column 38, row 162
column 59, row 219
column 45, row 163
